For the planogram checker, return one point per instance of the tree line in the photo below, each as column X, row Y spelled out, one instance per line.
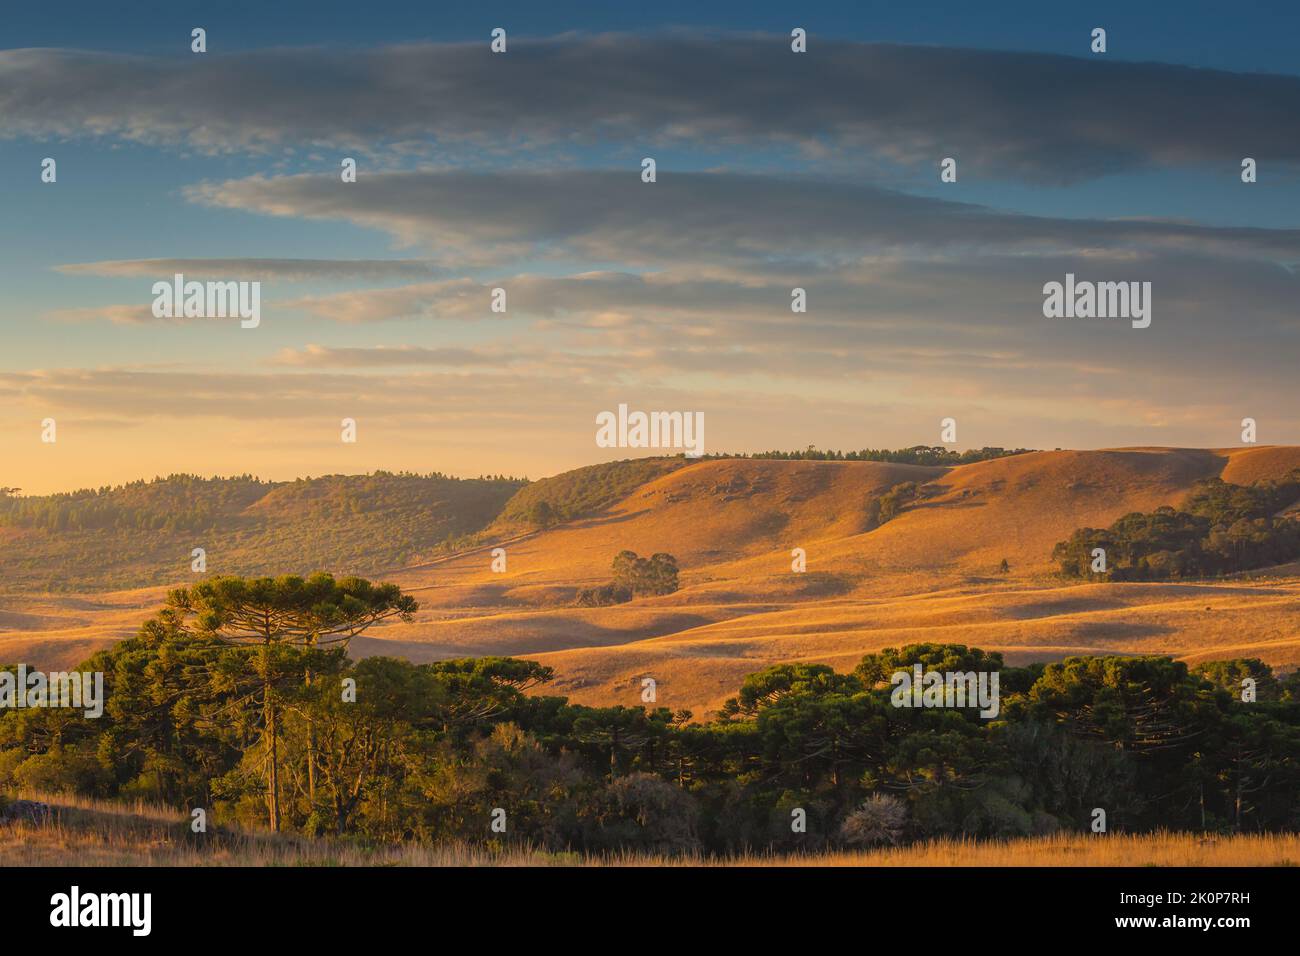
column 184, row 502
column 931, row 455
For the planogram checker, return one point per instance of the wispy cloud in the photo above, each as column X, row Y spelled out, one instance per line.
column 723, row 218
column 119, row 314
column 378, row 356
column 289, row 270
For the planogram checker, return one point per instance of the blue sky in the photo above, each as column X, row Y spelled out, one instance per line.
column 1245, row 36
column 776, row 170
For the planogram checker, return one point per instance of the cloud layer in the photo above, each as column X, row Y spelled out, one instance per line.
column 1018, row 115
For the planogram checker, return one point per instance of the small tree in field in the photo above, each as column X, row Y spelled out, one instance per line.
column 281, row 624
column 654, row 575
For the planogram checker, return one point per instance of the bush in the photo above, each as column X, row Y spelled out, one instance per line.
column 880, row 821
column 644, row 812
column 603, row 596
column 891, row 504
column 62, row 770
column 542, row 515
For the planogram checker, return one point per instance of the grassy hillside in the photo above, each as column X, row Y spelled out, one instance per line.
column 143, row 533
column 933, row 572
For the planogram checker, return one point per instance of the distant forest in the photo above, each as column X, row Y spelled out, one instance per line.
column 932, row 455
column 272, row 724
column 1222, row 528
column 145, row 531
column 184, row 502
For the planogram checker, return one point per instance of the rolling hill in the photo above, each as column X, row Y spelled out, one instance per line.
column 930, row 574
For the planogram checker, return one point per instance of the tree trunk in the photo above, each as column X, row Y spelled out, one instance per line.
column 273, row 755
column 311, row 752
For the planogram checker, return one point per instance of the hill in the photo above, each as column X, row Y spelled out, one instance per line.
column 143, row 533
column 931, row 573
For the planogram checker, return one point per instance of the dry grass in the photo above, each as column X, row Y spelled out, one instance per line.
column 1084, row 849
column 98, row 833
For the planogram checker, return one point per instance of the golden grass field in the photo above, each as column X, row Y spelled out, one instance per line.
column 88, row 832
column 929, row 575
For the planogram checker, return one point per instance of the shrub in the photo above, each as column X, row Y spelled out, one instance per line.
column 654, row 575
column 603, row 596
column 644, row 812
column 891, row 504
column 880, row 821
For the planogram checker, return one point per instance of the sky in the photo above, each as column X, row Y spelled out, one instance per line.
column 522, row 170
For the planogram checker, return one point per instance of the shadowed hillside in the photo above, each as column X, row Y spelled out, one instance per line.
column 143, row 533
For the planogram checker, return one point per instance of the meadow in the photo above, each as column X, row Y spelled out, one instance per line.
column 87, row 832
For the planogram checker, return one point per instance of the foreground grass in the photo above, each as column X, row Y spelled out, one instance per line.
column 97, row 833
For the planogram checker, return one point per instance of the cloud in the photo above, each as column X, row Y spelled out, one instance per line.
column 688, row 217
column 151, row 395
column 1020, row 115
column 450, row 299
column 121, row 314
column 1217, row 323
column 320, row 356
column 289, row 270
column 604, row 298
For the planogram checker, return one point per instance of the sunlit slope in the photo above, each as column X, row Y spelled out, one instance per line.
column 1249, row 465
column 707, row 514
column 62, row 630
column 930, row 574
column 699, row 668
column 732, row 525
column 1018, row 508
